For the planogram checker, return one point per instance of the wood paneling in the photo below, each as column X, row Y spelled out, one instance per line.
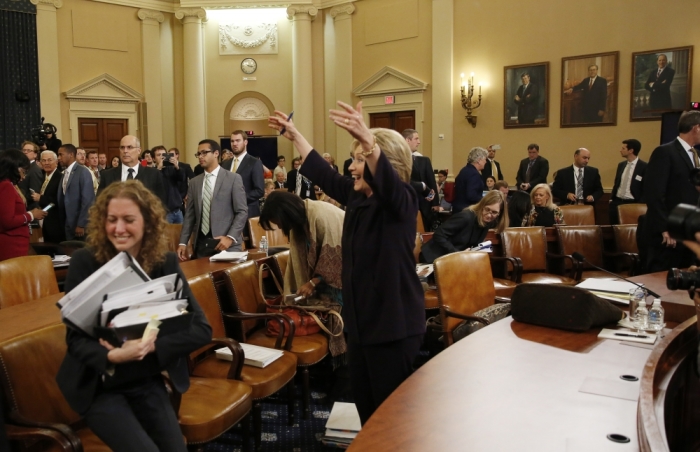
column 395, row 120
column 102, row 134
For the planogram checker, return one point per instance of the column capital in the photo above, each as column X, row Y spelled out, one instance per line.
column 344, row 9
column 150, row 14
column 55, row 3
column 196, row 13
column 293, row 10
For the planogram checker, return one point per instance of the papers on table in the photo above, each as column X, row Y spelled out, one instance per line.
column 424, row 270
column 255, row 356
column 625, row 335
column 60, row 260
column 230, row 256
column 610, row 289
column 342, row 426
column 483, row 246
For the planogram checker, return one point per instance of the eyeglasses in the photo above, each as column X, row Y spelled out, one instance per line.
column 202, row 153
column 128, row 148
column 493, row 213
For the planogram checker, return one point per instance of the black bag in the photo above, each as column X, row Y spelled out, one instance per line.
column 563, row 307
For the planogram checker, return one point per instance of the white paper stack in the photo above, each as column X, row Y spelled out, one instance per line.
column 342, row 426
column 61, row 260
column 255, row 356
column 610, row 289
column 230, row 256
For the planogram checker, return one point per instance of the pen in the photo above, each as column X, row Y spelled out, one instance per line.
column 284, row 129
column 641, row 336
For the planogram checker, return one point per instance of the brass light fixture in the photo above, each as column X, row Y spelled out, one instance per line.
column 467, row 97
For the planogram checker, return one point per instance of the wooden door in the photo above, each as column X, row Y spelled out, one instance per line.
column 395, row 120
column 102, row 135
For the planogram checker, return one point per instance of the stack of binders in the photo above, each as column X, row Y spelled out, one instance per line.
column 342, row 426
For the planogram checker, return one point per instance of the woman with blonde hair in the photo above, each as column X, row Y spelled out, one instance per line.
column 467, row 228
column 383, row 305
column 543, row 211
column 119, row 391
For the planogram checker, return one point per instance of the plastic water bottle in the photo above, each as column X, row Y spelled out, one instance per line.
column 635, row 296
column 656, row 316
column 641, row 321
column 263, row 244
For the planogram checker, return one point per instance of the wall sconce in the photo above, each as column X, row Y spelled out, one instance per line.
column 468, row 103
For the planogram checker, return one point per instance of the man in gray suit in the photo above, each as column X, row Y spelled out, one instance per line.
column 75, row 194
column 216, row 208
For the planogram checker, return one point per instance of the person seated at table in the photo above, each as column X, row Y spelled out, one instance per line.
column 119, row 391
column 490, row 183
column 518, row 208
column 269, row 188
column 543, row 211
column 467, row 228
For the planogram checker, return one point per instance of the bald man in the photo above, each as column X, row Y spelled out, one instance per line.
column 578, row 183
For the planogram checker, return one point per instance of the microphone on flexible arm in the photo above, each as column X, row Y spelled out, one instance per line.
column 580, row 258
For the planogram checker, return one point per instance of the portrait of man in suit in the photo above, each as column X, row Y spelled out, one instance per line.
column 533, row 170
column 217, row 210
column 661, row 81
column 629, row 178
column 250, row 169
column 578, row 183
column 75, row 195
column 526, row 98
column 659, row 84
column 594, row 95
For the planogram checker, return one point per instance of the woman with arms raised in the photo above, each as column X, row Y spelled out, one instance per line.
column 383, row 305
column 120, row 391
column 467, row 228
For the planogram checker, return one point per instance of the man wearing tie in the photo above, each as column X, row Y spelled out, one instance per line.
column 76, row 194
column 628, row 178
column 492, row 167
column 666, row 184
column 533, row 170
column 578, row 183
column 249, row 168
column 280, row 183
column 659, row 84
column 422, row 179
column 595, row 94
column 92, row 163
column 52, row 228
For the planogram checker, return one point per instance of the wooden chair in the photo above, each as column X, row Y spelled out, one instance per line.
column 588, row 241
column 466, row 293
column 281, row 260
column 264, row 382
column 173, row 232
column 26, row 278
column 245, row 304
column 274, row 238
column 578, row 214
column 530, row 245
column 420, row 227
column 626, row 243
column 630, row 213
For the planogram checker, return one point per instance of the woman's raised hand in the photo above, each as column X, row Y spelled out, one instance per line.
column 280, row 122
column 351, row 120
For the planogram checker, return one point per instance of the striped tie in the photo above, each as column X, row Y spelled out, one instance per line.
column 43, row 186
column 206, row 204
column 579, row 184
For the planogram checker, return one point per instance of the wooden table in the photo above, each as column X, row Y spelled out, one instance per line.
column 202, row 266
column 678, row 305
column 30, row 316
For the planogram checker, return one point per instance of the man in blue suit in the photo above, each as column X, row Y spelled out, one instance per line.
column 249, row 168
column 75, row 195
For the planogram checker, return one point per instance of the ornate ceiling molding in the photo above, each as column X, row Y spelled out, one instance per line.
column 345, row 8
column 198, row 13
column 257, row 38
column 104, row 88
column 55, row 3
column 150, row 14
column 293, row 10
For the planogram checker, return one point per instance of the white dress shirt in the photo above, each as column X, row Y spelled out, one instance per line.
column 125, row 171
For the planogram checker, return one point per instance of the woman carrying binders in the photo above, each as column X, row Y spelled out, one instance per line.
column 120, row 391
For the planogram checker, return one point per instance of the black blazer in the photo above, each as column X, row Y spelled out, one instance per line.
column 527, row 105
column 149, row 177
column 469, row 188
column 594, row 99
column 565, row 183
column 80, row 374
column 251, row 171
column 34, row 180
column 383, row 299
column 422, row 171
column 666, row 184
column 307, row 186
column 636, row 181
column 538, row 173
column 492, row 168
column 459, row 232
column 52, row 229
column 346, row 167
column 660, row 93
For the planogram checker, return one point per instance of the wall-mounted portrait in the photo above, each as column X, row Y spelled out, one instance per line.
column 589, row 90
column 526, row 95
column 660, row 82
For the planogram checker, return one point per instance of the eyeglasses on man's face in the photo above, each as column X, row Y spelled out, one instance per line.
column 202, row 153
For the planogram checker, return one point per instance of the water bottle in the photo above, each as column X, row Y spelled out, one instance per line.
column 656, row 316
column 635, row 296
column 641, row 321
column 263, row 244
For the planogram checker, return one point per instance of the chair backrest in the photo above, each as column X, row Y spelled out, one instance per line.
column 204, row 292
column 173, row 232
column 28, row 368
column 464, row 285
column 578, row 214
column 587, row 240
column 243, row 292
column 529, row 244
column 630, row 213
column 26, row 278
column 420, row 227
column 626, row 238
column 449, row 191
column 281, row 260
column 417, row 247
column 274, row 238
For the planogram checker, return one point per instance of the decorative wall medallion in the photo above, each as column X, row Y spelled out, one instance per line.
column 249, row 108
column 249, row 65
column 249, row 38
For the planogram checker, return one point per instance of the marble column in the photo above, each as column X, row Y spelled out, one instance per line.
column 193, row 62
column 342, row 27
column 150, row 48
column 302, row 73
column 47, row 53
column 444, row 89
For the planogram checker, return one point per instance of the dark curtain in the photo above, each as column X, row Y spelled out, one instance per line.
column 19, row 78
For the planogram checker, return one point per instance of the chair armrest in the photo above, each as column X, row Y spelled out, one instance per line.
column 23, row 434
column 502, row 300
column 516, row 264
column 284, row 320
column 576, row 266
column 67, row 433
column 238, row 356
column 465, row 316
column 633, row 258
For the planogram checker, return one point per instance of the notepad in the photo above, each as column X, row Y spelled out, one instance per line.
column 230, row 256
column 625, row 335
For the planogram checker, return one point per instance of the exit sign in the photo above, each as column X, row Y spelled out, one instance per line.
column 388, row 100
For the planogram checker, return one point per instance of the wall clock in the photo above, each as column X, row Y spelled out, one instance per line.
column 248, row 66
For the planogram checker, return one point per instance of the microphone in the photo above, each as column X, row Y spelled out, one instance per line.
column 580, row 258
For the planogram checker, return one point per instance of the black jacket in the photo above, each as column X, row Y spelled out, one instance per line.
column 52, row 229
column 459, row 232
column 306, row 185
column 251, row 171
column 538, row 172
column 636, row 182
column 565, row 183
column 149, row 177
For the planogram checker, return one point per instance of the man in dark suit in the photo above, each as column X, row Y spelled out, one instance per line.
column 130, row 150
column 296, row 183
column 346, row 167
column 35, row 175
column 249, row 168
column 533, row 170
column 579, row 182
column 526, row 98
column 280, row 183
column 75, row 195
column 492, row 167
column 628, row 178
column 595, row 95
column 422, row 179
column 666, row 184
column 659, row 84
column 52, row 229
